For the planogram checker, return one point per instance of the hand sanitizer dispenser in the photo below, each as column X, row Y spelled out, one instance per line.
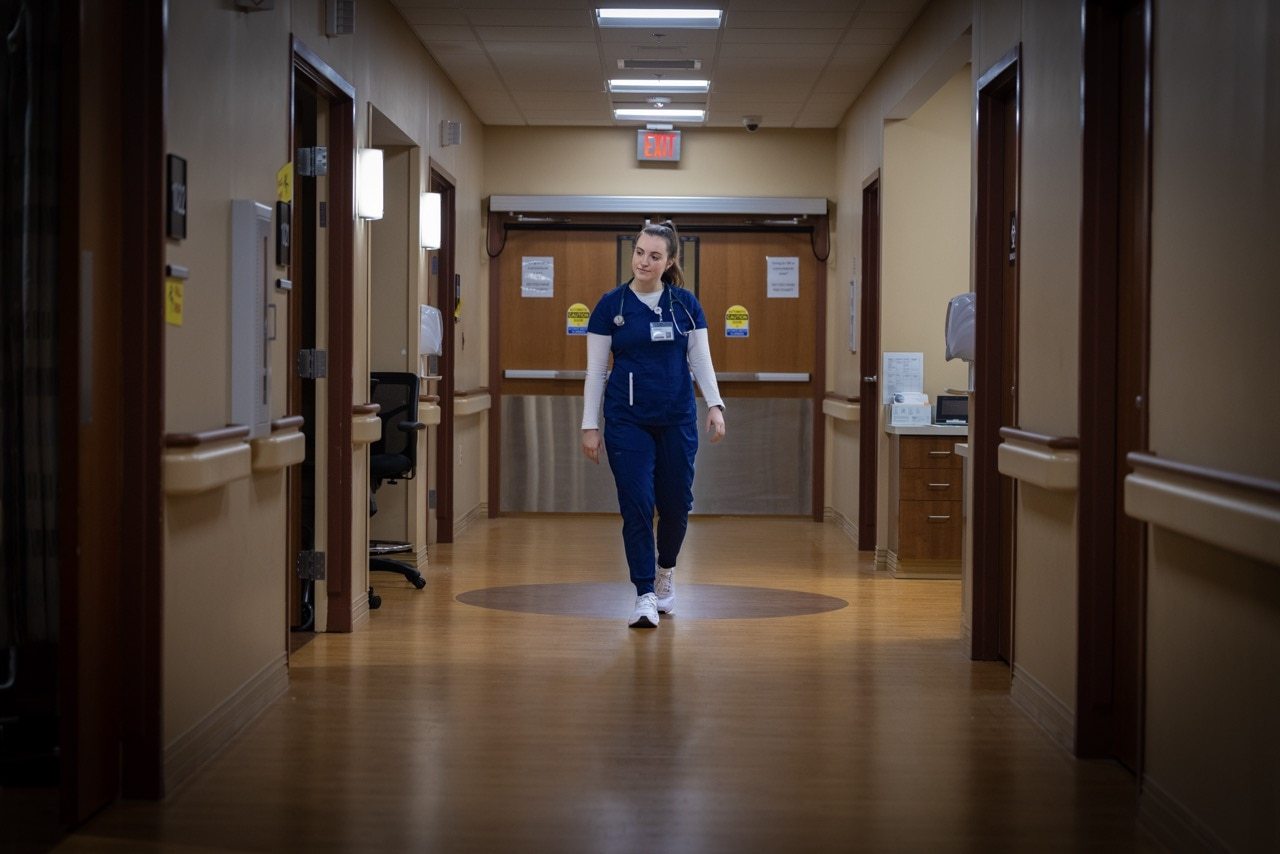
column 250, row 287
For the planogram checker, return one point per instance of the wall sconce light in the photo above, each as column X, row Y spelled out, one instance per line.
column 369, row 183
column 429, row 220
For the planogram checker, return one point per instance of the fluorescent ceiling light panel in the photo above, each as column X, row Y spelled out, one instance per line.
column 659, row 85
column 689, row 19
column 664, row 114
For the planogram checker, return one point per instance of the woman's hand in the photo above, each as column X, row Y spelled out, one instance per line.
column 591, row 445
column 715, row 423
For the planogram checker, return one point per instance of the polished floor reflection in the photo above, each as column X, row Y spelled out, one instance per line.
column 837, row 712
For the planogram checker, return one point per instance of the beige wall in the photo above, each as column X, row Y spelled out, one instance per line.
column 228, row 85
column 1213, row 618
column 1045, row 614
column 1213, row 641
column 931, row 52
column 714, row 162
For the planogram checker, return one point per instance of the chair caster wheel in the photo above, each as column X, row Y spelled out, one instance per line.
column 419, row 583
column 375, row 601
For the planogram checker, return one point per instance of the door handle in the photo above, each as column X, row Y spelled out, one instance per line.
column 870, row 379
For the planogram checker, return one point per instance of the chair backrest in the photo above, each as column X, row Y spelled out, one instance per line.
column 396, row 393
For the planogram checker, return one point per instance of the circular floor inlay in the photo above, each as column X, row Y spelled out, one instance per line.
column 614, row 600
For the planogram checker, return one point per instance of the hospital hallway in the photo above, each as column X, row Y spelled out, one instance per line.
column 797, row 700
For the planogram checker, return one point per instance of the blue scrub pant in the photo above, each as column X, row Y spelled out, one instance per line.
column 652, row 467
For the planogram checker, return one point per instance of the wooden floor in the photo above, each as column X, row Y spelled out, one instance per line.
column 508, row 707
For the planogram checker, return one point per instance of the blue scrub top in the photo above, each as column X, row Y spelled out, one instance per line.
column 650, row 381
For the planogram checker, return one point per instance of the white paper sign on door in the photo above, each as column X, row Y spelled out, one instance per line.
column 783, row 276
column 537, row 276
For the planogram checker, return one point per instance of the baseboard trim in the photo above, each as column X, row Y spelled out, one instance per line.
column 882, row 559
column 1039, row 704
column 480, row 511
column 1172, row 824
column 189, row 752
column 847, row 526
column 360, row 612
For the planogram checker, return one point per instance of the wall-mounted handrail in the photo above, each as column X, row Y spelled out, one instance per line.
column 1063, row 443
column 206, row 437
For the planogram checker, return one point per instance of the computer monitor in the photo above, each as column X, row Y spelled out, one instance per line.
column 952, row 409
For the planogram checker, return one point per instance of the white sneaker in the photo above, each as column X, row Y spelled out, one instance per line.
column 645, row 616
column 664, row 587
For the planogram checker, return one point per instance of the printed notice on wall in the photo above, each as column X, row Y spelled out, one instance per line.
column 783, row 276
column 537, row 276
column 902, row 372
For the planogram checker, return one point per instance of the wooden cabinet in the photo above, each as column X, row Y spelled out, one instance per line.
column 927, row 491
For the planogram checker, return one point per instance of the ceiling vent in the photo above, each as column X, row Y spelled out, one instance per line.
column 660, row 64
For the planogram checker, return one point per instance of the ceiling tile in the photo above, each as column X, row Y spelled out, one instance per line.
column 781, row 35
column 880, row 37
column 786, row 20
column 433, row 33
column 525, row 17
column 434, row 17
column 537, row 34
column 841, row 80
column 883, row 20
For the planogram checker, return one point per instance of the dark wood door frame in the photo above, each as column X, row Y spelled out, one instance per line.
column 447, row 299
column 869, row 364
column 341, row 266
column 998, row 159
column 142, row 589
column 1114, row 331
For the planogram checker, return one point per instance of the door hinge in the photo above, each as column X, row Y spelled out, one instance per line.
column 312, row 162
column 310, row 565
column 313, row 364
column 1013, row 236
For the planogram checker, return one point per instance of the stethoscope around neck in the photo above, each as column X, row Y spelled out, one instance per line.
column 620, row 321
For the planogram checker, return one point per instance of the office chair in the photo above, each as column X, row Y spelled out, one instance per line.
column 394, row 456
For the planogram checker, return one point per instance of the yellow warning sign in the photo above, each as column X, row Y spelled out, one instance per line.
column 284, row 183
column 576, row 319
column 173, row 301
column 737, row 322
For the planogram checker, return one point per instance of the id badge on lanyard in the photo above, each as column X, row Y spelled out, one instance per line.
column 662, row 330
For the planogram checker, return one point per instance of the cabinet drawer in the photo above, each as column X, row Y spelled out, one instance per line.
column 930, row 485
column 929, row 452
column 929, row 530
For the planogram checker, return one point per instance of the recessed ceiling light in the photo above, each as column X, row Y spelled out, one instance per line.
column 659, row 85
column 662, row 114
column 701, row 19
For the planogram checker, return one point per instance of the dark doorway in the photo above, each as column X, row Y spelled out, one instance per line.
column 309, row 190
column 323, row 108
column 869, row 362
column 1114, row 323
column 446, row 299
column 995, row 377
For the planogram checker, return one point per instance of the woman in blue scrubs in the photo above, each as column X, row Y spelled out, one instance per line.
column 657, row 334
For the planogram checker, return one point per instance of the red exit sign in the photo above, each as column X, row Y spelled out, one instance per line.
column 657, row 145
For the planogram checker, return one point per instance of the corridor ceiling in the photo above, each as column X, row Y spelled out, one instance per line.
column 793, row 63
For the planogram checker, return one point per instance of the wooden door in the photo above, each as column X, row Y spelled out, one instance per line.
column 445, row 297
column 869, row 363
column 734, row 271
column 995, row 380
column 1113, row 378
column 333, row 286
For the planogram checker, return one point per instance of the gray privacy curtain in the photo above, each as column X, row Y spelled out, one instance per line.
column 28, row 287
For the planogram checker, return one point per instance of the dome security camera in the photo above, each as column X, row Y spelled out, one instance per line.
column 751, row 123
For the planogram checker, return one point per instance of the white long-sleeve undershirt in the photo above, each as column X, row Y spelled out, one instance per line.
column 699, row 354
